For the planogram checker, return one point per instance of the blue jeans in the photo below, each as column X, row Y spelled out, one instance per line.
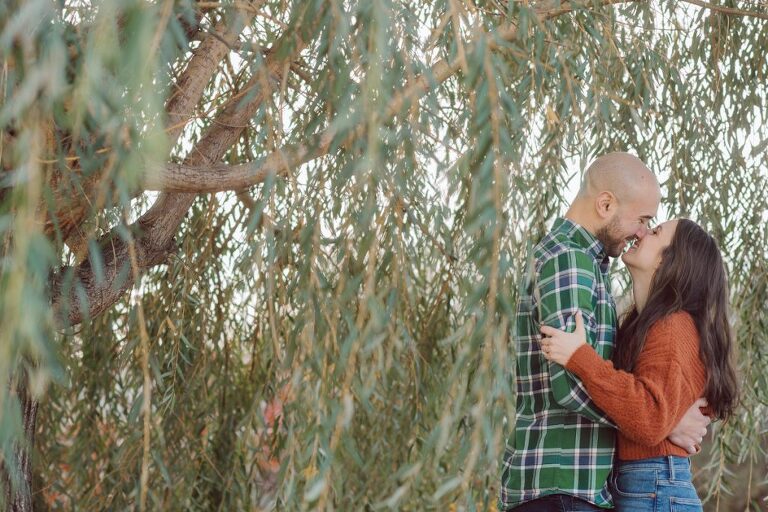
column 556, row 503
column 658, row 484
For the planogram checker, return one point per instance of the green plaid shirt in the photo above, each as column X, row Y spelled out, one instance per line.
column 563, row 443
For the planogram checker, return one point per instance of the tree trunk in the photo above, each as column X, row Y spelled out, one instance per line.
column 18, row 494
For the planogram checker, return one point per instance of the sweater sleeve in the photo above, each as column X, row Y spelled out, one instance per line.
column 647, row 404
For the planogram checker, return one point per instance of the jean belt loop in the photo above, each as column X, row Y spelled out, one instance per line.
column 671, row 463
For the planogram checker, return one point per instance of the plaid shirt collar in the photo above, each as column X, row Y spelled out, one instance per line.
column 584, row 239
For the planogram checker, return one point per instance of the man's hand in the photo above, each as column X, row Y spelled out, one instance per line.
column 691, row 430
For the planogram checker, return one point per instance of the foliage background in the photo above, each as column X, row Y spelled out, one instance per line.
column 332, row 330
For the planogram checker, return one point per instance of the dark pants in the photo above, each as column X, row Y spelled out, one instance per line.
column 556, row 503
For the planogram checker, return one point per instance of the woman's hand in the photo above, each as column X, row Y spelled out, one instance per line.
column 558, row 346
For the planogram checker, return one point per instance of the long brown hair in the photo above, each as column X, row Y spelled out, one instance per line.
column 690, row 278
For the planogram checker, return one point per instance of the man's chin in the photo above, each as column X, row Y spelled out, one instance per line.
column 616, row 251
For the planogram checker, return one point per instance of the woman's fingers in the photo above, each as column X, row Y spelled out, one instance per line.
column 579, row 321
column 546, row 347
column 553, row 331
column 548, row 331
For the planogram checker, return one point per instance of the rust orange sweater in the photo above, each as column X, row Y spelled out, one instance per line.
column 649, row 402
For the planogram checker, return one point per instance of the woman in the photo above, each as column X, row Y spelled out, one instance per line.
column 676, row 343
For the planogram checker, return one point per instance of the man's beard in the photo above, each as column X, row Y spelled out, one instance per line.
column 610, row 236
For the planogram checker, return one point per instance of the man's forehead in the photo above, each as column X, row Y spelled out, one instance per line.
column 646, row 205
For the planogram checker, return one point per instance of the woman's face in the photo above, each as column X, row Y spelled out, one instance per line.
column 645, row 255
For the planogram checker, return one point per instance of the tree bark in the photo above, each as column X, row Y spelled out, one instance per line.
column 221, row 177
column 18, row 498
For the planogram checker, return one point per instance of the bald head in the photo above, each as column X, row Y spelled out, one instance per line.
column 622, row 174
column 618, row 199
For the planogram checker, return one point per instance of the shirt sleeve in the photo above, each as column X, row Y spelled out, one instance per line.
column 566, row 284
column 648, row 403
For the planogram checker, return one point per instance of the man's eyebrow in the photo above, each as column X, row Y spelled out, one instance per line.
column 647, row 217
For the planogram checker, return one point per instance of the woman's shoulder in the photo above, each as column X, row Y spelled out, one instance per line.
column 679, row 324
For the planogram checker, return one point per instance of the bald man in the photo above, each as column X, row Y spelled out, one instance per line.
column 562, row 450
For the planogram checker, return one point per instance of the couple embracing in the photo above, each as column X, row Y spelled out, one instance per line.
column 609, row 411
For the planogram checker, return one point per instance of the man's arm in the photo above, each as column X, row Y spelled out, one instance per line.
column 689, row 433
column 566, row 284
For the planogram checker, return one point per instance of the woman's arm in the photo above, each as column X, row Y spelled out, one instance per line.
column 644, row 407
column 647, row 404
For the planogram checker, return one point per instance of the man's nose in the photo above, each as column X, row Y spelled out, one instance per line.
column 641, row 232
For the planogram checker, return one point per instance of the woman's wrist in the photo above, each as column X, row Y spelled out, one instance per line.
column 580, row 359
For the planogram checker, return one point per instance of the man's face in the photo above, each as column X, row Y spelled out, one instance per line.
column 631, row 221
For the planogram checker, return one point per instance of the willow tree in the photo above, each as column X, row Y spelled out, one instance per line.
column 265, row 254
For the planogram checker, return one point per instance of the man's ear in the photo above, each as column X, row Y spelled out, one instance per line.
column 605, row 204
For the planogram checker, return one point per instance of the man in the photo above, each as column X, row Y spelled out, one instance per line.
column 562, row 450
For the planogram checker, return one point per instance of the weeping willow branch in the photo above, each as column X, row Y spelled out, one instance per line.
column 204, row 63
column 82, row 292
column 222, row 177
column 180, row 107
column 216, row 178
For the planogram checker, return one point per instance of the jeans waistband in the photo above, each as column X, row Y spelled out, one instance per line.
column 671, row 463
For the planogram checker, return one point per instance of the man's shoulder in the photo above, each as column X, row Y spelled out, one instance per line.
column 558, row 249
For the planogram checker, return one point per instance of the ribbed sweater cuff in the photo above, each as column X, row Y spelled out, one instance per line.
column 584, row 359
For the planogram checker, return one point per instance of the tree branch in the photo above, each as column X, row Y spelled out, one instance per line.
column 77, row 292
column 81, row 292
column 190, row 177
column 728, row 10
column 71, row 210
column 221, row 177
column 170, row 209
column 202, row 66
